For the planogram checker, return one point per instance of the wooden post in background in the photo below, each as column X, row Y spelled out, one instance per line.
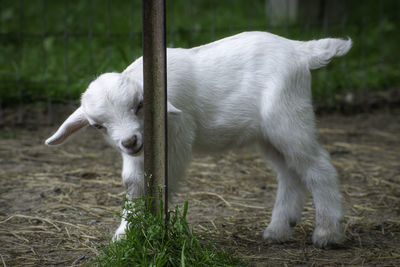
column 155, row 102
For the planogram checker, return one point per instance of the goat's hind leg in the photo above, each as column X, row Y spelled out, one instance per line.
column 289, row 200
column 306, row 163
column 321, row 179
column 311, row 164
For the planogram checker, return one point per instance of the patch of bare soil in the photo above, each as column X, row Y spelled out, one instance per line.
column 57, row 205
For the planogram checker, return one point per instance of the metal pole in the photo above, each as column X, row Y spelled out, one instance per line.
column 155, row 102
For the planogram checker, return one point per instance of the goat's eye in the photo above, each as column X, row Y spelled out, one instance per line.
column 98, row 126
column 139, row 107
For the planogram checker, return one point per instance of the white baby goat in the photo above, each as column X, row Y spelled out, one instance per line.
column 251, row 88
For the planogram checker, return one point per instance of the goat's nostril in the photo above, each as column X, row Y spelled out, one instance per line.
column 130, row 143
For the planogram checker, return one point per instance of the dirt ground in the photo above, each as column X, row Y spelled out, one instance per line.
column 57, row 205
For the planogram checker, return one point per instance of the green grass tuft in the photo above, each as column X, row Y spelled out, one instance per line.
column 148, row 243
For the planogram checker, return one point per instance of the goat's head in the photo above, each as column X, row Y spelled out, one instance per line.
column 113, row 103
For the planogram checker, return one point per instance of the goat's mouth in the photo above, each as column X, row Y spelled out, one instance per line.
column 133, row 152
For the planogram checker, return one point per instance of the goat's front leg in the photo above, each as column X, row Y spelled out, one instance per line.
column 132, row 177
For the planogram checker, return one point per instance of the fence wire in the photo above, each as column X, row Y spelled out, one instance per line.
column 51, row 50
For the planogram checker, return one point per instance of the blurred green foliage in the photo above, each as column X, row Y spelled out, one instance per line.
column 55, row 48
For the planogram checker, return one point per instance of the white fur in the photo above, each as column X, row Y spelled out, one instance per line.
column 251, row 88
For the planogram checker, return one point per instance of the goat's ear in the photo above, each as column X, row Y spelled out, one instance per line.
column 172, row 110
column 75, row 121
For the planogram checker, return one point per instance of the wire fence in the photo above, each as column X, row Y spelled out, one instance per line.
column 51, row 50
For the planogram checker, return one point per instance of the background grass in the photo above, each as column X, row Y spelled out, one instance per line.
column 53, row 49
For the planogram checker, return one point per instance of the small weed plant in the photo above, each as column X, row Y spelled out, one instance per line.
column 153, row 240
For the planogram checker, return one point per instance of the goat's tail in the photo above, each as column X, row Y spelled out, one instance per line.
column 319, row 53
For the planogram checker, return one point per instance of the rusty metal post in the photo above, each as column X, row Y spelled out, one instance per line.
column 155, row 102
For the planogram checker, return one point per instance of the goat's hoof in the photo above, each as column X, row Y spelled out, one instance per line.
column 118, row 237
column 278, row 233
column 323, row 237
column 119, row 234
